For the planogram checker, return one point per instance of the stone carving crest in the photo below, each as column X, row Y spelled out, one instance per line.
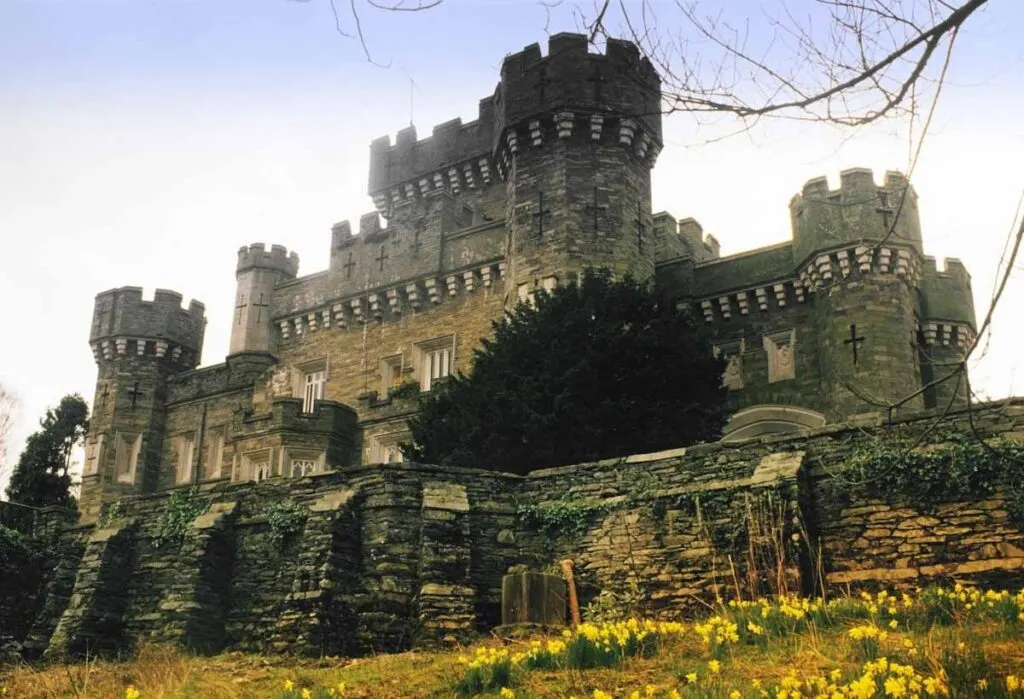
column 781, row 350
column 93, row 454
column 733, row 353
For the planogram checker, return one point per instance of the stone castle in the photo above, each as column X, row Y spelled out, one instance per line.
column 261, row 504
column 554, row 176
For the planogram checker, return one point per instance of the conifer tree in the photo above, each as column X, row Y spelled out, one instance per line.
column 42, row 476
column 594, row 370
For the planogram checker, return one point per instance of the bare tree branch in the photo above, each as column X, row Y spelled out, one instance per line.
column 8, row 411
column 862, row 65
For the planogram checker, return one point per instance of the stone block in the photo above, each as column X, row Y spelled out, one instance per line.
column 445, row 496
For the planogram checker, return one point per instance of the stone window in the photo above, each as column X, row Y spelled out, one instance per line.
column 304, row 467
column 781, row 350
column 184, row 450
column 435, row 360
column 214, row 453
column 391, row 369
column 256, row 466
column 384, row 448
column 313, row 379
column 302, row 462
column 126, row 457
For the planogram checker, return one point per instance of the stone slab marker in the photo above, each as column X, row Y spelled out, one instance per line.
column 533, row 598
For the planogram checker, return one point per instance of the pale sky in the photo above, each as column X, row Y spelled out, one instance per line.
column 141, row 143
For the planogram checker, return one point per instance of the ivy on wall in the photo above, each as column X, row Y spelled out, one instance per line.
column 960, row 467
column 286, row 519
column 568, row 516
column 110, row 515
column 182, row 507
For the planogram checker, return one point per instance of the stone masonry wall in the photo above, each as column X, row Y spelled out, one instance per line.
column 772, row 512
column 354, row 356
column 381, row 559
column 387, row 557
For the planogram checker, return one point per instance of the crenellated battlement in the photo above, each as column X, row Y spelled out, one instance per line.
column 161, row 327
column 452, row 144
column 570, row 77
column 946, row 293
column 570, row 92
column 279, row 259
column 859, row 210
column 369, row 223
column 615, row 95
column 341, row 233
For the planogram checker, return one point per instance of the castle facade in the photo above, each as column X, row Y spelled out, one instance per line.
column 553, row 177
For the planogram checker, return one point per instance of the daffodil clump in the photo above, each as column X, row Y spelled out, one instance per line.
column 876, row 629
column 587, row 646
column 290, row 690
column 717, row 633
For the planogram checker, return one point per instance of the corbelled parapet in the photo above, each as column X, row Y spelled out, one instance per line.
column 456, row 155
column 279, row 259
column 859, row 211
column 947, row 303
column 616, row 95
column 124, row 324
column 862, row 228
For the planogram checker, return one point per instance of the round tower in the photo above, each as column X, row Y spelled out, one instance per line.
column 138, row 345
column 858, row 251
column 575, row 138
column 257, row 274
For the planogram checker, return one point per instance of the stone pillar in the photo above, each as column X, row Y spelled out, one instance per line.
column 446, row 599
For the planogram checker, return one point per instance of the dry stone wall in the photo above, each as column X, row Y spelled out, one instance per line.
column 777, row 513
column 380, row 558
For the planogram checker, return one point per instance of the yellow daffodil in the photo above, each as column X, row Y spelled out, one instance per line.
column 289, row 685
column 130, row 693
column 714, row 666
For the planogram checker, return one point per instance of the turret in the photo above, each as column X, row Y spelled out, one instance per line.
column 138, row 345
column 948, row 327
column 257, row 274
column 575, row 138
column 859, row 211
column 858, row 253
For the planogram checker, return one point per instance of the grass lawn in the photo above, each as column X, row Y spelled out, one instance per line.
column 956, row 642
